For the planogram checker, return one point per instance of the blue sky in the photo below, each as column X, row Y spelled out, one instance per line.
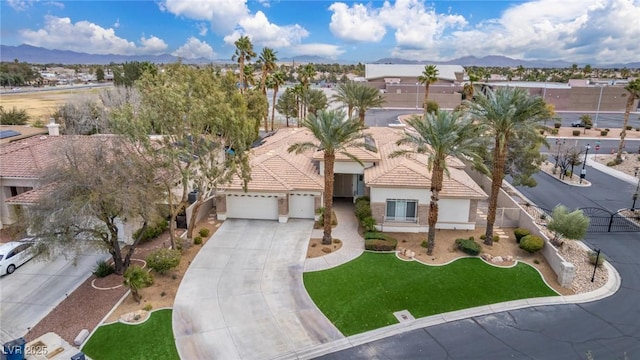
column 581, row 31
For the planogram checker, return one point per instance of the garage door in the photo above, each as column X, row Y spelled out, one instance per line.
column 301, row 206
column 252, row 207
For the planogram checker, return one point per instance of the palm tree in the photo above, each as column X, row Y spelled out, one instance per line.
column 274, row 81
column 440, row 135
column 136, row 278
column 305, row 76
column 507, row 115
column 315, row 100
column 267, row 61
column 244, row 52
column 366, row 97
column 335, row 133
column 345, row 94
column 468, row 89
column 428, row 77
column 633, row 87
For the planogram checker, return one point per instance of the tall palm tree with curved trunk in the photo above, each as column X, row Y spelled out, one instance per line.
column 440, row 135
column 345, row 94
column 429, row 76
column 507, row 115
column 366, row 97
column 244, row 53
column 633, row 87
column 274, row 81
column 267, row 60
column 334, row 133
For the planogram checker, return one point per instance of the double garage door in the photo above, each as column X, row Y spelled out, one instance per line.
column 265, row 207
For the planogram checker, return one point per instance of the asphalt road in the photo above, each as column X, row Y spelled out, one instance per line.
column 609, row 328
column 36, row 288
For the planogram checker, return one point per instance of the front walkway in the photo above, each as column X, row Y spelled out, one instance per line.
column 243, row 295
column 347, row 232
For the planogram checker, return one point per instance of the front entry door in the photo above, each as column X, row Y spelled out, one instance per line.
column 343, row 185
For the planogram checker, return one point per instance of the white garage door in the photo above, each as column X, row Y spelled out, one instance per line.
column 301, row 206
column 252, row 207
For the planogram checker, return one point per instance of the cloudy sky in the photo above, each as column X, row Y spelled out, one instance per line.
column 581, row 31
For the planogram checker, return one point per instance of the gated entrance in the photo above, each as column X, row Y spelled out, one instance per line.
column 600, row 220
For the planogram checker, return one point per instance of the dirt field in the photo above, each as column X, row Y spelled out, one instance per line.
column 40, row 105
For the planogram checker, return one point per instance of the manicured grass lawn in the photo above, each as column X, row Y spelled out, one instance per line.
column 363, row 294
column 150, row 340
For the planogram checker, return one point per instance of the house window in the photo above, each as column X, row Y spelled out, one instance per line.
column 401, row 210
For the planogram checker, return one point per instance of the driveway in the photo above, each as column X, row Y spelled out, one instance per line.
column 36, row 288
column 243, row 295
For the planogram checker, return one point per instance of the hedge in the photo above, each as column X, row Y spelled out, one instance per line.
column 380, row 245
column 531, row 243
column 468, row 246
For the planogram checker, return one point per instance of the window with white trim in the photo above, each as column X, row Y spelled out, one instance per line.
column 401, row 210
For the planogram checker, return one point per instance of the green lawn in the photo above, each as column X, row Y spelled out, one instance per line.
column 363, row 294
column 151, row 340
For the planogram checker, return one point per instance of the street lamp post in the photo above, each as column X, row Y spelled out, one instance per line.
column 559, row 143
column 595, row 123
column 583, row 173
column 635, row 194
column 593, row 277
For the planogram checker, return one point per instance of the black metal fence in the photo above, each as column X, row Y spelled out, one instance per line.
column 600, row 220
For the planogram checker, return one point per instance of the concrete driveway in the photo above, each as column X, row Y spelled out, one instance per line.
column 36, row 288
column 243, row 295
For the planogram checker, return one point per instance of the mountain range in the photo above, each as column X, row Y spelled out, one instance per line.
column 39, row 55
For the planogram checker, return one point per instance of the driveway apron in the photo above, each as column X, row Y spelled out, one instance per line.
column 243, row 295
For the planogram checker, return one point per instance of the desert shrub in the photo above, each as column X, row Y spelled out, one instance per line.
column 568, row 173
column 103, row 269
column 607, row 129
column 638, row 129
column 536, row 261
column 554, row 131
column 13, row 116
column 588, row 127
column 369, row 223
column 147, row 307
column 592, row 258
column 204, row 232
column 468, row 246
column 363, row 210
column 424, row 244
column 432, row 106
column 611, row 163
column 483, row 237
column 197, row 240
column 363, row 198
column 38, row 124
column 337, row 241
column 557, row 125
column 576, row 132
column 334, row 219
column 372, row 235
column 163, row 260
column 136, row 278
column 381, row 245
column 152, row 231
column 531, row 243
column 629, row 127
column 603, row 133
column 519, row 233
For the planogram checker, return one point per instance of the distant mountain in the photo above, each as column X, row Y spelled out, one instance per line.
column 38, row 55
column 502, row 61
column 306, row 59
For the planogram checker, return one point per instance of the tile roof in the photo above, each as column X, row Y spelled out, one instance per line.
column 30, row 197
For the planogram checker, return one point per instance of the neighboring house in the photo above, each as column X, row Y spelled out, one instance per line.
column 285, row 185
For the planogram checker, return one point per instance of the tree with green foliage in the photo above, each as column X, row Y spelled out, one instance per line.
column 334, row 134
column 274, row 82
column 130, row 72
column 315, row 100
column 633, row 88
column 570, row 225
column 257, row 106
column 507, row 115
column 100, row 74
column 439, row 136
column 14, row 116
column 204, row 126
column 136, row 278
column 267, row 63
column 243, row 54
column 17, row 73
column 345, row 94
column 365, row 98
column 287, row 105
column 306, row 75
column 429, row 76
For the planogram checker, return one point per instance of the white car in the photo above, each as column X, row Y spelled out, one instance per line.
column 13, row 254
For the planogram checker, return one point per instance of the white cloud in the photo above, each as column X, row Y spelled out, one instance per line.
column 117, row 23
column 223, row 15
column 265, row 3
column 357, row 23
column 324, row 50
column 264, row 33
column 84, row 36
column 194, row 49
column 203, row 28
column 20, row 5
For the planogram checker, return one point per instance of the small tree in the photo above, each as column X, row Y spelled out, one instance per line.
column 13, row 117
column 136, row 278
column 570, row 225
column 586, row 121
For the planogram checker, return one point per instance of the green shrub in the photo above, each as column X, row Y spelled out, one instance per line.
column 554, row 131
column 483, row 237
column 638, row 129
column 204, row 232
column 519, row 233
column 163, row 260
column 432, row 106
column 147, row 307
column 13, row 116
column 568, row 173
column 363, row 198
column 468, row 246
column 334, row 218
column 369, row 223
column 592, row 258
column 607, row 129
column 373, row 235
column 611, row 163
column 197, row 240
column 603, row 133
column 531, row 243
column 557, row 125
column 38, row 124
column 381, row 245
column 152, row 231
column 588, row 127
column 103, row 269
column 424, row 244
column 576, row 132
column 629, row 127
column 363, row 210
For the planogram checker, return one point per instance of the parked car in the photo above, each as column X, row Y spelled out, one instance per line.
column 13, row 254
column 577, row 123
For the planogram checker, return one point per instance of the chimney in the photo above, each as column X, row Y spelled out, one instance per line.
column 54, row 129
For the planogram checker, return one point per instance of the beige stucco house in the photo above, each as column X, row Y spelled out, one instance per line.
column 286, row 185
